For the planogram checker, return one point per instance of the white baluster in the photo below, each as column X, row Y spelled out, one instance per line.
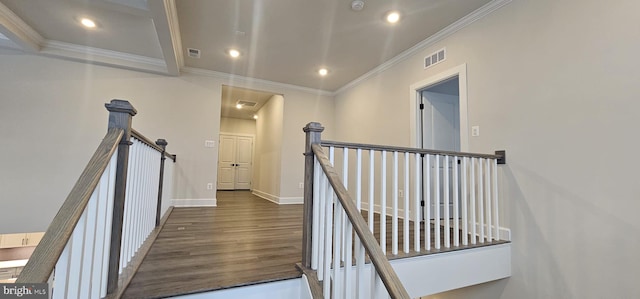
column 62, row 273
column 328, row 229
column 383, row 203
column 472, row 199
column 436, row 206
column 480, row 222
column 496, row 224
column 76, row 258
column 360, row 292
column 337, row 238
column 406, row 203
column 315, row 226
column 446, row 217
column 394, row 219
column 456, row 206
column 108, row 222
column 427, row 203
column 464, row 201
column 487, row 182
column 89, row 242
column 323, row 224
column 417, row 197
column 345, row 182
column 371, row 188
column 348, row 237
column 359, row 179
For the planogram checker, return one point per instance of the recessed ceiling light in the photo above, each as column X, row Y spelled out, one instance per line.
column 393, row 17
column 255, row 116
column 323, row 72
column 239, row 106
column 234, row 53
column 89, row 23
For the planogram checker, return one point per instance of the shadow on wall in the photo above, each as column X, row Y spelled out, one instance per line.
column 564, row 246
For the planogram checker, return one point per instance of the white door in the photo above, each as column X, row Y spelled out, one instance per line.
column 234, row 162
column 440, row 116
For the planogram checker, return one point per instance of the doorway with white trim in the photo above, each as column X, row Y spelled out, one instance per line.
column 441, row 119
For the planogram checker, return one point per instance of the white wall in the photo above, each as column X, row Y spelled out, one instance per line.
column 555, row 84
column 52, row 117
column 268, row 147
column 298, row 112
column 237, row 126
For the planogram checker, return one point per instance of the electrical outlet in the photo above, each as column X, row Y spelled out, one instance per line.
column 301, row 186
column 401, row 193
column 210, row 186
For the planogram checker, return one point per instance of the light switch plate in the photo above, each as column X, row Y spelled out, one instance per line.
column 209, row 143
column 475, row 131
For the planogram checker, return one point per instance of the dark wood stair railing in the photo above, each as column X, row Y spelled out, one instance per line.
column 101, row 188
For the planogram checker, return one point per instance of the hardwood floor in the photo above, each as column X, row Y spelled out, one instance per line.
column 244, row 240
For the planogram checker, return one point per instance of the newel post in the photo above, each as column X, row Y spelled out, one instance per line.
column 163, row 144
column 120, row 114
column 313, row 132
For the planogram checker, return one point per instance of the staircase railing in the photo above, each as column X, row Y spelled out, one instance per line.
column 434, row 201
column 457, row 192
column 107, row 216
column 330, row 221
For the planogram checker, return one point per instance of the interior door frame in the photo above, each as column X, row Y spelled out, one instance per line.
column 414, row 99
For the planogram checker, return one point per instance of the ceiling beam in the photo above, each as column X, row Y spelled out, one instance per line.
column 165, row 18
column 19, row 32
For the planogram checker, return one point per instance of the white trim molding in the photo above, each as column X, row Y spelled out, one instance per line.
column 200, row 202
column 277, row 199
column 414, row 113
column 235, row 80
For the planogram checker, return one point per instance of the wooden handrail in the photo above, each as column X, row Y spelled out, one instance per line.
column 152, row 144
column 408, row 150
column 40, row 266
column 382, row 266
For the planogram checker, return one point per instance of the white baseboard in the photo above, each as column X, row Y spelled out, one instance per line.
column 378, row 209
column 277, row 199
column 504, row 233
column 200, row 202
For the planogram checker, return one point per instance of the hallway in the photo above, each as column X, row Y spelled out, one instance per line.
column 244, row 240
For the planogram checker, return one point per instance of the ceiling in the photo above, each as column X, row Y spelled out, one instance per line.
column 281, row 41
column 231, row 96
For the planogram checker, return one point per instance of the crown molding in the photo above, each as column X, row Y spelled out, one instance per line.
column 253, row 82
column 430, row 41
column 18, row 31
column 99, row 56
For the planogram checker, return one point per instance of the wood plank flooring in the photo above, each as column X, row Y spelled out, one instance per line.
column 244, row 240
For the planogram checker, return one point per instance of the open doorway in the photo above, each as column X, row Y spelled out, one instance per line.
column 238, row 132
column 441, row 123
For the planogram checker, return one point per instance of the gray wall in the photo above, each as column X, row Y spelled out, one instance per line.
column 52, row 117
column 237, row 126
column 268, row 147
column 555, row 83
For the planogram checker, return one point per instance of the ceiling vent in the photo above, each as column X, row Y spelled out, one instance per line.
column 247, row 103
column 195, row 53
column 435, row 58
